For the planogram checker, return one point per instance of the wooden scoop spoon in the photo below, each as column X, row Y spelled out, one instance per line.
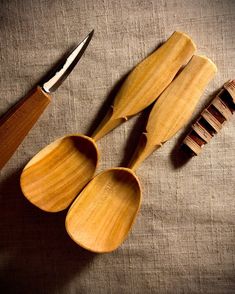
column 54, row 177
column 101, row 217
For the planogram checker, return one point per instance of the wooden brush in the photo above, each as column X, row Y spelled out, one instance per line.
column 212, row 119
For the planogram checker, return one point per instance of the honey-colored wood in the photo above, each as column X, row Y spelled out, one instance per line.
column 52, row 179
column 101, row 217
column 52, row 187
column 212, row 119
column 105, row 210
column 147, row 81
column 174, row 106
column 19, row 120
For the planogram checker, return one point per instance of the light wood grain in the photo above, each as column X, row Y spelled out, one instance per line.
column 175, row 106
column 147, row 81
column 101, row 217
column 57, row 174
column 19, row 120
column 49, row 181
column 104, row 212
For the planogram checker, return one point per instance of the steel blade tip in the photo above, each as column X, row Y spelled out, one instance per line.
column 91, row 33
column 86, row 40
column 61, row 72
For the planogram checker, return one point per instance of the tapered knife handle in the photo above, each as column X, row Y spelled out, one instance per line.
column 18, row 121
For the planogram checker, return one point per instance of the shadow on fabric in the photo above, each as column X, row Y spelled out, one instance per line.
column 37, row 255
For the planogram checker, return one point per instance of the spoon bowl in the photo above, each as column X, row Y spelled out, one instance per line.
column 102, row 215
column 54, row 177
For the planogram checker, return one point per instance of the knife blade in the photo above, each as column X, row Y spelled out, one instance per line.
column 18, row 121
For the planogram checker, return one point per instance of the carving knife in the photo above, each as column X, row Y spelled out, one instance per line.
column 18, row 121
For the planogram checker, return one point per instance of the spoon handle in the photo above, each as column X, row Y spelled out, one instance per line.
column 174, row 107
column 147, row 81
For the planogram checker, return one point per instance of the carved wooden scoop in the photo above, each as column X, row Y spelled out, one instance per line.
column 54, row 177
column 101, row 217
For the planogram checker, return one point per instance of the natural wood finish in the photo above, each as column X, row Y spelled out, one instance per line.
column 174, row 107
column 101, row 217
column 205, row 135
column 230, row 88
column 54, row 177
column 19, row 120
column 222, row 108
column 147, row 81
column 212, row 119
column 52, row 187
column 208, row 116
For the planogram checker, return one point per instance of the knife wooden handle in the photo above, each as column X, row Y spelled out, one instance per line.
column 18, row 121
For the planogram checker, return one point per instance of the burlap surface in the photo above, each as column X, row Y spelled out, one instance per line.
column 183, row 240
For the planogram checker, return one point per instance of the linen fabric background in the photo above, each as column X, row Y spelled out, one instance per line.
column 183, row 240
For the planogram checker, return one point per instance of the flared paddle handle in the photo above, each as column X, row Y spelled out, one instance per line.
column 147, row 81
column 19, row 120
column 174, row 107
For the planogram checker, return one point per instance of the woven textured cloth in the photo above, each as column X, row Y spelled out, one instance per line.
column 183, row 240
